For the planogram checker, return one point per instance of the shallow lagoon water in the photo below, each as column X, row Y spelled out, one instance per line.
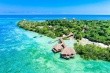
column 21, row 53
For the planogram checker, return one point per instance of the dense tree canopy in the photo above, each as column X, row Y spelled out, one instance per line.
column 94, row 30
column 93, row 52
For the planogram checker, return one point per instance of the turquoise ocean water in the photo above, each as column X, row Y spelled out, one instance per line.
column 21, row 53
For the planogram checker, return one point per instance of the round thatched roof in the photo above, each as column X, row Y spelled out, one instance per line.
column 68, row 51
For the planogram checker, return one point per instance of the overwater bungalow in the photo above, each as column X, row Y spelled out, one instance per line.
column 57, row 48
column 67, row 53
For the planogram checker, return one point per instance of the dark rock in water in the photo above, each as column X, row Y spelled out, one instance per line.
column 35, row 37
column 41, row 36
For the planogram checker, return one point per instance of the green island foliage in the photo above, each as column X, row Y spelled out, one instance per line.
column 90, row 51
column 94, row 30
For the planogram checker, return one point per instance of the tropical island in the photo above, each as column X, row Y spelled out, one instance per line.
column 93, row 30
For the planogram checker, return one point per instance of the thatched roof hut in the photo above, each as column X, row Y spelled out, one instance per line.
column 57, row 48
column 67, row 53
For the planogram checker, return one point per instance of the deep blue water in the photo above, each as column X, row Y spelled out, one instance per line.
column 45, row 17
column 21, row 53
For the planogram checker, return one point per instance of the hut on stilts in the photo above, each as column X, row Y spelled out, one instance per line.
column 66, row 52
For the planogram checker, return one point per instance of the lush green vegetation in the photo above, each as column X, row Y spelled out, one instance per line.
column 93, row 52
column 94, row 30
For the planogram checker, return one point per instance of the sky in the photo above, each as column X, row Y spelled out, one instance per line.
column 85, row 7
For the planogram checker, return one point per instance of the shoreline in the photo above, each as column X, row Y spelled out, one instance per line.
column 80, row 30
column 85, row 41
column 50, row 41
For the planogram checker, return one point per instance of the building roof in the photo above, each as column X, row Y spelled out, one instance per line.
column 68, row 50
column 58, row 46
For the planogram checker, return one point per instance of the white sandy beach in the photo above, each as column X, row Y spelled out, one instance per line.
column 85, row 41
